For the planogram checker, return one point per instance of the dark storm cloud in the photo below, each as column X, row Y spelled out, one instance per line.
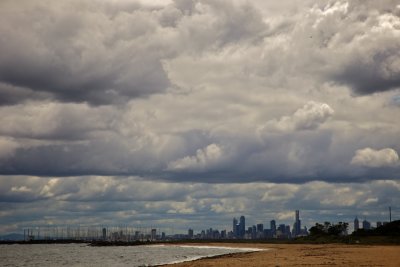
column 101, row 53
column 361, row 43
column 80, row 52
column 10, row 95
column 379, row 73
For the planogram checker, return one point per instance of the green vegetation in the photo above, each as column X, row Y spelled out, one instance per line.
column 336, row 233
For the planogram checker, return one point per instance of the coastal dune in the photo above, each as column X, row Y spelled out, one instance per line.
column 303, row 255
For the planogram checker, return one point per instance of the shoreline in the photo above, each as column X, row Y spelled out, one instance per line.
column 300, row 254
column 199, row 258
column 242, row 250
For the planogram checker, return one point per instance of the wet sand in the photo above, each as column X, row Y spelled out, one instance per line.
column 303, row 255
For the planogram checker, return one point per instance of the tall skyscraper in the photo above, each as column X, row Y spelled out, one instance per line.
column 242, row 227
column 356, row 224
column 297, row 224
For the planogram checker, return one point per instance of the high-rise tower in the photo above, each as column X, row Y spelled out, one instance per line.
column 297, row 223
column 242, row 227
column 234, row 227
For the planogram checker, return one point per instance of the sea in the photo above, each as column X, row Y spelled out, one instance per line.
column 83, row 255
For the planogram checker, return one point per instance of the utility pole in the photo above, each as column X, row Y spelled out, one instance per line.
column 390, row 214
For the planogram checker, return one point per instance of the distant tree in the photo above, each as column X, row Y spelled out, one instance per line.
column 391, row 229
column 327, row 225
column 329, row 229
column 338, row 229
column 318, row 229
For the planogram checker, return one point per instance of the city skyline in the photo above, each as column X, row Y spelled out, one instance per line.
column 187, row 113
column 239, row 230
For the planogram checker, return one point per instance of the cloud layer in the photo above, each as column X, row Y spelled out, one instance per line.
column 296, row 94
column 135, row 201
column 189, row 90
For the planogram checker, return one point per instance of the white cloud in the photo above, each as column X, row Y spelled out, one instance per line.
column 284, row 215
column 280, row 193
column 369, row 157
column 309, row 117
column 204, row 158
column 20, row 189
column 48, row 188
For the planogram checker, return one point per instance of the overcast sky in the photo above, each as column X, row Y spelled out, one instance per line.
column 187, row 113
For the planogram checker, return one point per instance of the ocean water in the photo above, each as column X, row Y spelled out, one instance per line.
column 84, row 255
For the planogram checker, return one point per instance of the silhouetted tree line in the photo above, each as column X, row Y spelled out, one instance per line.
column 328, row 229
column 390, row 229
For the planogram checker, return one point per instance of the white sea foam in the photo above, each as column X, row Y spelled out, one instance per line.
column 233, row 250
column 221, row 247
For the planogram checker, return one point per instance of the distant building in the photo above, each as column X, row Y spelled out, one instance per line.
column 273, row 227
column 281, row 231
column 254, row 232
column 287, row 231
column 297, row 224
column 366, row 225
column 223, row 234
column 242, row 227
column 260, row 227
column 104, row 231
column 203, row 234
column 237, row 230
column 378, row 224
column 235, row 227
column 216, row 234
column 267, row 233
column 250, row 231
column 190, row 233
column 153, row 234
column 282, row 228
column 356, row 224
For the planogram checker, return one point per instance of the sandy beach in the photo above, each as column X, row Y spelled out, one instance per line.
column 304, row 255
